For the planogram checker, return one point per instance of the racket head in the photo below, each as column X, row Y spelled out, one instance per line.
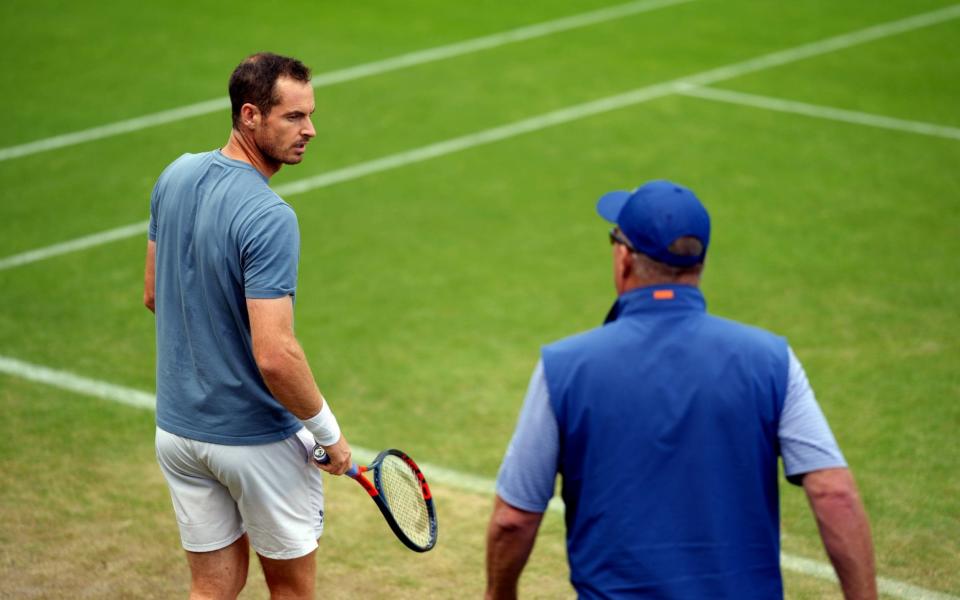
column 405, row 499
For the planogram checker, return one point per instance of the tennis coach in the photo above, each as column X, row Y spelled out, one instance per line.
column 666, row 424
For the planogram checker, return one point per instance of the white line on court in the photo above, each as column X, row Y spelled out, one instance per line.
column 436, row 474
column 567, row 115
column 76, row 383
column 821, row 112
column 889, row 587
column 827, row 45
column 349, row 74
column 74, row 245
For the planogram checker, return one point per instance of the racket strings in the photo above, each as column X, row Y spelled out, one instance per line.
column 402, row 492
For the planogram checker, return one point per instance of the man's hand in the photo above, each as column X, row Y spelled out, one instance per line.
column 340, row 457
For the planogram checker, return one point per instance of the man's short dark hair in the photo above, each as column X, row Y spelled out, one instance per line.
column 254, row 80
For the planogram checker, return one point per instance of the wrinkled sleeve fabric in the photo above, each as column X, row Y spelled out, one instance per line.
column 270, row 253
column 529, row 469
column 806, row 441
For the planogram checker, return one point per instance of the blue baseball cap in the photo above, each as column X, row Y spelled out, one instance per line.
column 655, row 215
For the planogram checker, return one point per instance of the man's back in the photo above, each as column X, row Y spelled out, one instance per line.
column 666, row 425
column 668, row 434
column 222, row 236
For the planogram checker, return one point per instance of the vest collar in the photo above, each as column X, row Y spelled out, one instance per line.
column 657, row 299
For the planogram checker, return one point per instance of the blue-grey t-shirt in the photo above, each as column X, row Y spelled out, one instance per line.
column 222, row 236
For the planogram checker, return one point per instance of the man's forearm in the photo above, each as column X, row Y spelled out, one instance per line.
column 510, row 539
column 845, row 531
column 288, row 376
column 846, row 537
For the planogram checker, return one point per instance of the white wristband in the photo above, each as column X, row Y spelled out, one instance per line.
column 323, row 426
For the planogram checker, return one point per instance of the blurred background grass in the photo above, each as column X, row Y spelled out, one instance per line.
column 426, row 291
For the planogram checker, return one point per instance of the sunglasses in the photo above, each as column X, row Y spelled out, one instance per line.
column 616, row 238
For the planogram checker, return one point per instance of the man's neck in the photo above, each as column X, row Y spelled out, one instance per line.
column 242, row 147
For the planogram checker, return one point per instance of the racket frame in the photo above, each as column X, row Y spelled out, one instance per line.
column 374, row 488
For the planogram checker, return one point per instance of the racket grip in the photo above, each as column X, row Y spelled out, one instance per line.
column 321, row 457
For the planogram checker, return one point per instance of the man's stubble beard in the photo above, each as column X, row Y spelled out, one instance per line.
column 269, row 150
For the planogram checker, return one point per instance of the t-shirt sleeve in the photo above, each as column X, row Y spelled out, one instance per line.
column 529, row 469
column 154, row 202
column 806, row 442
column 270, row 252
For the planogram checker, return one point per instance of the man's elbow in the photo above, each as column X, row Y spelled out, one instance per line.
column 838, row 503
column 274, row 361
column 509, row 520
column 270, row 364
column 833, row 491
column 149, row 300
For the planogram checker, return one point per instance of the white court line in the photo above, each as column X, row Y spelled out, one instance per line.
column 88, row 241
column 821, row 112
column 349, row 74
column 889, row 587
column 76, row 383
column 436, row 474
column 565, row 115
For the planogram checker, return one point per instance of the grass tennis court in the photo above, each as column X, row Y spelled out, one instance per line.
column 823, row 137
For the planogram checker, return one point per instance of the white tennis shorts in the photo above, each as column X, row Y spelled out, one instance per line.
column 273, row 492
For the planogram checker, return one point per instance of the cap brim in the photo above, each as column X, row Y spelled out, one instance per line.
column 610, row 204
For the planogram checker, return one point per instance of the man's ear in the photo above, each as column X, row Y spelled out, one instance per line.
column 250, row 116
column 625, row 259
column 622, row 266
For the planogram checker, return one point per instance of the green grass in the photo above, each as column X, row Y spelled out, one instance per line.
column 426, row 291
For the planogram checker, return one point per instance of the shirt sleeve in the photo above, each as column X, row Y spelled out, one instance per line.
column 806, row 442
column 270, row 252
column 529, row 469
column 154, row 202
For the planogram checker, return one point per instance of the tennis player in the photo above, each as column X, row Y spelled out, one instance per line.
column 666, row 425
column 238, row 410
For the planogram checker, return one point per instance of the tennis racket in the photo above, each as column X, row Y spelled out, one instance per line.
column 400, row 492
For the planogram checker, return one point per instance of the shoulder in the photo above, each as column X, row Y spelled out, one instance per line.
column 581, row 341
column 743, row 333
column 262, row 216
column 184, row 162
column 183, row 170
column 572, row 353
column 253, row 193
column 263, row 205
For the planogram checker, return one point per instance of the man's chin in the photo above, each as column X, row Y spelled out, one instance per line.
column 295, row 157
column 291, row 158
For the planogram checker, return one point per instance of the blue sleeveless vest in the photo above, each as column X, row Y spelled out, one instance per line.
column 668, row 450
